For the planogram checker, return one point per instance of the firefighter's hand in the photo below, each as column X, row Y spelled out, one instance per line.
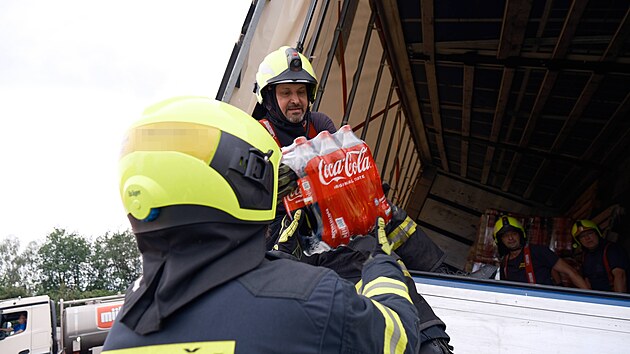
column 400, row 228
column 382, row 245
column 287, row 181
column 287, row 231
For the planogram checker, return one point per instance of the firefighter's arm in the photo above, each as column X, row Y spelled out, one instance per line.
column 383, row 313
column 619, row 280
column 563, row 267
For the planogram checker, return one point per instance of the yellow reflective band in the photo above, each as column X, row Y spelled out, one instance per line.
column 384, row 285
column 217, row 347
column 404, row 268
column 395, row 336
column 402, row 233
column 359, row 286
column 193, row 139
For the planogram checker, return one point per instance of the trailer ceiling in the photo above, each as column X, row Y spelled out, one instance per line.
column 528, row 98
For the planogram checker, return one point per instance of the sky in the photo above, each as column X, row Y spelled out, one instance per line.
column 73, row 76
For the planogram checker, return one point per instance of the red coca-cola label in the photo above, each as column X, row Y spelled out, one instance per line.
column 349, row 193
column 293, row 201
column 355, row 162
column 299, row 197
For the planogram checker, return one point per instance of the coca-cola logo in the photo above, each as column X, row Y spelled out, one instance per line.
column 294, row 195
column 355, row 162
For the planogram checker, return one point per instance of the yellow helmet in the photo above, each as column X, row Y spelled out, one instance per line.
column 507, row 223
column 192, row 152
column 285, row 65
column 581, row 226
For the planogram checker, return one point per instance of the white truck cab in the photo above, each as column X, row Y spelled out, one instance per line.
column 38, row 337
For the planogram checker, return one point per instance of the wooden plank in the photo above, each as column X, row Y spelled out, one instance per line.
column 580, row 105
column 456, row 252
column 474, row 198
column 513, row 28
column 469, row 76
column 566, row 35
column 428, row 42
column 504, row 96
column 393, row 43
column 421, row 190
column 451, row 219
column 611, row 53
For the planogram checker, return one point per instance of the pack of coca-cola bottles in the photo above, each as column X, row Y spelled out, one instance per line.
column 338, row 182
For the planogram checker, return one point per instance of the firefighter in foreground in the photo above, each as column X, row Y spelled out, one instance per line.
column 198, row 179
column 285, row 87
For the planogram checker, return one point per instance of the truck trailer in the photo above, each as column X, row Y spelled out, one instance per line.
column 472, row 109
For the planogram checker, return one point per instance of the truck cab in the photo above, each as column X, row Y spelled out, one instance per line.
column 37, row 337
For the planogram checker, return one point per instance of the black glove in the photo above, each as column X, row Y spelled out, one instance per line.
column 382, row 245
column 287, row 243
column 400, row 228
column 287, row 181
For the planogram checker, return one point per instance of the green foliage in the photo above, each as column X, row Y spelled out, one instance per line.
column 115, row 261
column 69, row 266
column 16, row 269
column 64, row 261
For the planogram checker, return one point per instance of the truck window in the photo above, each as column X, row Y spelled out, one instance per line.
column 13, row 323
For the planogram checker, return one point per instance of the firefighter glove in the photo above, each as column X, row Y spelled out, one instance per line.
column 382, row 245
column 400, row 227
column 287, row 181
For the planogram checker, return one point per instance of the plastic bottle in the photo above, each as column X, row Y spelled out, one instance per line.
column 368, row 190
column 296, row 156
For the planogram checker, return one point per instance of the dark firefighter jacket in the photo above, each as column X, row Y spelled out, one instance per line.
column 283, row 306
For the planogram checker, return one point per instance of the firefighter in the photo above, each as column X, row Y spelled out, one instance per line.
column 198, row 179
column 604, row 264
column 526, row 263
column 285, row 72
column 285, row 87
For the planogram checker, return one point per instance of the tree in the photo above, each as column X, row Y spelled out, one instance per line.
column 64, row 264
column 115, row 261
column 16, row 269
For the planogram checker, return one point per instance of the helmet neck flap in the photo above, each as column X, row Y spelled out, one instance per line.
column 184, row 262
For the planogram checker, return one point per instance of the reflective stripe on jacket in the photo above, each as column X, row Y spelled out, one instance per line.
column 285, row 306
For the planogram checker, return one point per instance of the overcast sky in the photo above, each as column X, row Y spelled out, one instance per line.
column 73, row 76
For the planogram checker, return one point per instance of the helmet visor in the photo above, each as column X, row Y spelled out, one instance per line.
column 193, row 139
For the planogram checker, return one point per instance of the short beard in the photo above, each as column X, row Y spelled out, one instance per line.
column 294, row 119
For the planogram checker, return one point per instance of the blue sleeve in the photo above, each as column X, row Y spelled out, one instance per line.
column 322, row 122
column 382, row 319
column 546, row 254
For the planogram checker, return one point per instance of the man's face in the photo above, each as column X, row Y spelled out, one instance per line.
column 511, row 240
column 589, row 239
column 22, row 319
column 292, row 100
